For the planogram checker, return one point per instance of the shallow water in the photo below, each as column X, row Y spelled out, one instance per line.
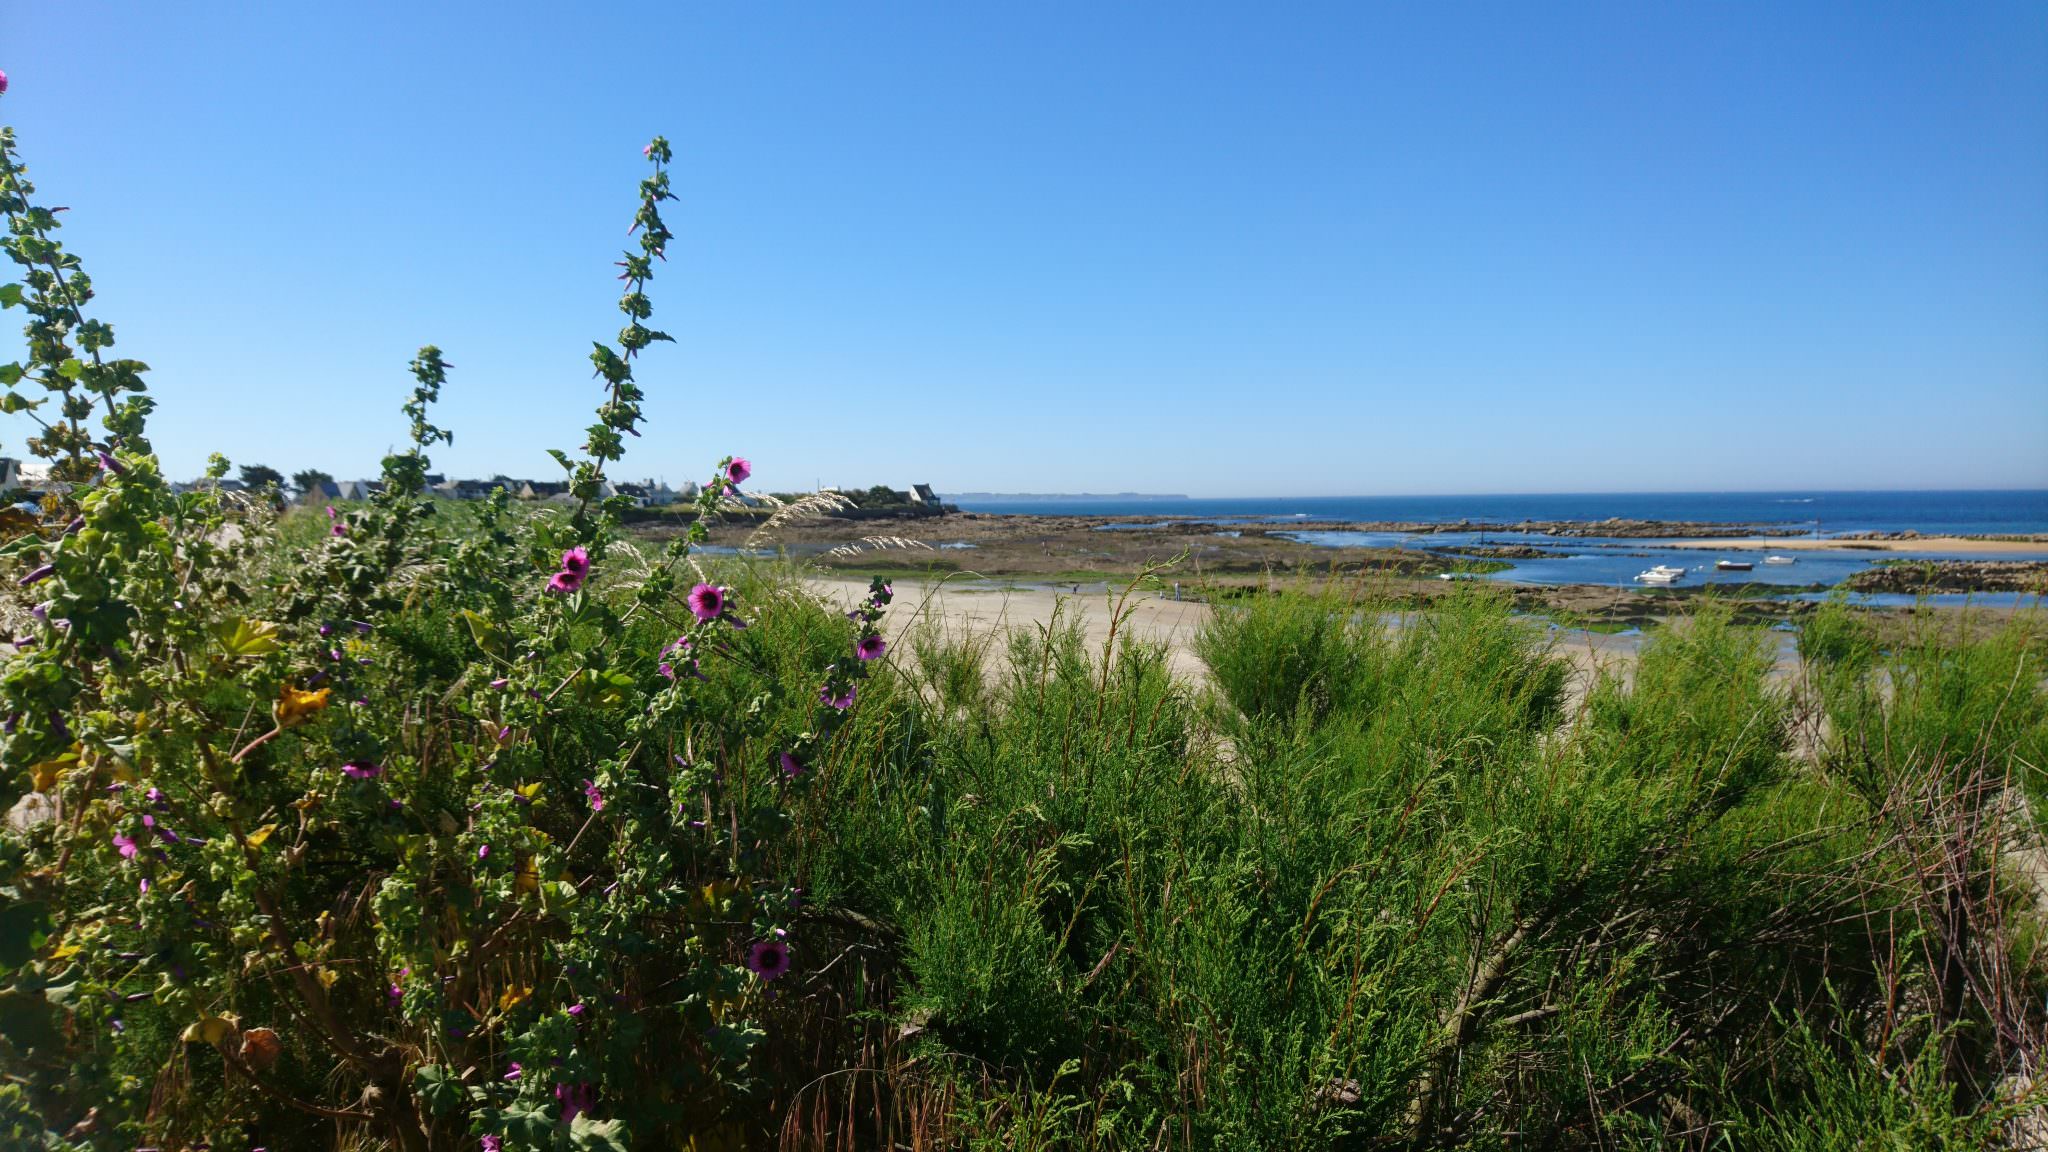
column 1616, row 561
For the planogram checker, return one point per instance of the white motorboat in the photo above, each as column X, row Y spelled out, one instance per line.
column 1661, row 574
column 1779, row 560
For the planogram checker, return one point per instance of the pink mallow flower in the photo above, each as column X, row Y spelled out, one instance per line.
column 842, row 700
column 768, row 959
column 871, row 647
column 126, row 845
column 592, row 794
column 576, row 561
column 791, row 766
column 707, row 602
column 737, row 472
column 361, row 771
column 575, row 1099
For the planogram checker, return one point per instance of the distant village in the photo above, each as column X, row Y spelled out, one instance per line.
column 315, row 487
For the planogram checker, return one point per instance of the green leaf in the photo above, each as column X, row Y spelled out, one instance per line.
column 15, row 402
column 22, row 926
column 488, row 636
column 602, row 1135
column 10, row 295
column 440, row 1091
column 246, row 637
column 11, row 374
column 71, row 369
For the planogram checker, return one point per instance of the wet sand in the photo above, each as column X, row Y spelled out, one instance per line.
column 1920, row 545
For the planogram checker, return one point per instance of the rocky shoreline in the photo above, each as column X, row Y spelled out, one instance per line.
column 1912, row 577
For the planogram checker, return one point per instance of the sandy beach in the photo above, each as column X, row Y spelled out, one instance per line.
column 1921, row 545
column 1150, row 616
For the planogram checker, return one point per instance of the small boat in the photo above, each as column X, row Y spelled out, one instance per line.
column 1733, row 565
column 1779, row 560
column 1661, row 574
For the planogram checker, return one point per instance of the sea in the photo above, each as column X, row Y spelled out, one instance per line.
column 1595, row 559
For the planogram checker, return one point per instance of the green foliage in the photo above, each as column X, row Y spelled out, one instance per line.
column 366, row 823
column 414, row 826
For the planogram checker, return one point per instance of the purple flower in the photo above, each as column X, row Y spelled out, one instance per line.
column 493, row 1143
column 338, row 530
column 577, row 562
column 737, row 472
column 665, row 670
column 577, row 1010
column 791, row 766
column 361, row 771
column 575, row 1099
column 768, row 959
column 126, row 844
column 38, row 574
column 564, row 582
column 596, row 798
column 154, row 796
column 330, row 512
column 483, row 851
column 870, row 647
column 512, row 1071
column 500, row 682
column 707, row 602
column 109, row 464
column 3, row 83
column 842, row 701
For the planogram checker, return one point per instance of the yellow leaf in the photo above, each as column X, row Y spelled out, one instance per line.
column 512, row 997
column 527, row 879
column 255, row 839
column 296, row 706
column 327, row 977
column 211, row 1029
column 529, row 790
column 66, row 952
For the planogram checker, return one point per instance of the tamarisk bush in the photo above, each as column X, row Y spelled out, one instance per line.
column 417, row 835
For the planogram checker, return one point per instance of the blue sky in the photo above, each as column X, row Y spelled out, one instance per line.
column 1215, row 249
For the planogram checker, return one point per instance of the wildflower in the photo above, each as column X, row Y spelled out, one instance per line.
column 512, row 1071
column 331, row 513
column 493, row 1143
column 126, row 845
column 870, row 647
column 3, row 90
column 483, row 852
column 564, row 582
column 791, row 766
column 577, row 562
column 154, row 796
column 295, row 706
column 707, row 602
column 361, row 771
column 737, row 472
column 577, row 1010
column 841, row 700
column 109, row 464
column 500, row 682
column 574, row 1099
column 338, row 529
column 42, row 573
column 768, row 959
column 596, row 798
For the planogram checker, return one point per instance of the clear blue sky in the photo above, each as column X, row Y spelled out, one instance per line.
column 1229, row 249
